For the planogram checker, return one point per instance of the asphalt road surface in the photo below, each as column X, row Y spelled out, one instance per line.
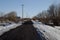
column 24, row 32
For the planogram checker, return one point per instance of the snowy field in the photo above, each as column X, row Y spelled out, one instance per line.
column 49, row 32
column 8, row 27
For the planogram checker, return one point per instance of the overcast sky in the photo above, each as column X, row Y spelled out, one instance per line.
column 31, row 7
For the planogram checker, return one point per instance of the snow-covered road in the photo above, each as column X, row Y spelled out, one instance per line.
column 49, row 32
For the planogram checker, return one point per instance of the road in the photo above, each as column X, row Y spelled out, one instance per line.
column 24, row 32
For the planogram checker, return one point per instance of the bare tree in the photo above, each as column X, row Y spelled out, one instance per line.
column 51, row 10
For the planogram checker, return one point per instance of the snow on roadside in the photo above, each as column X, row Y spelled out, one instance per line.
column 57, row 27
column 49, row 32
column 9, row 27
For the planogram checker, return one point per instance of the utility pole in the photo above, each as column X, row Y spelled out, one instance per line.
column 26, row 15
column 22, row 10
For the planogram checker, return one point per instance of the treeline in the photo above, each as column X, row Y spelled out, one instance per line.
column 50, row 16
column 11, row 16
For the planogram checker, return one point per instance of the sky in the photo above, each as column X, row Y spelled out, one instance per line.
column 31, row 7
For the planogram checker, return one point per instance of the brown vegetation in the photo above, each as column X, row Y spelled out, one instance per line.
column 52, row 15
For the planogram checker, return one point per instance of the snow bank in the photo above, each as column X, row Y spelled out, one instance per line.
column 49, row 32
column 57, row 27
column 7, row 28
